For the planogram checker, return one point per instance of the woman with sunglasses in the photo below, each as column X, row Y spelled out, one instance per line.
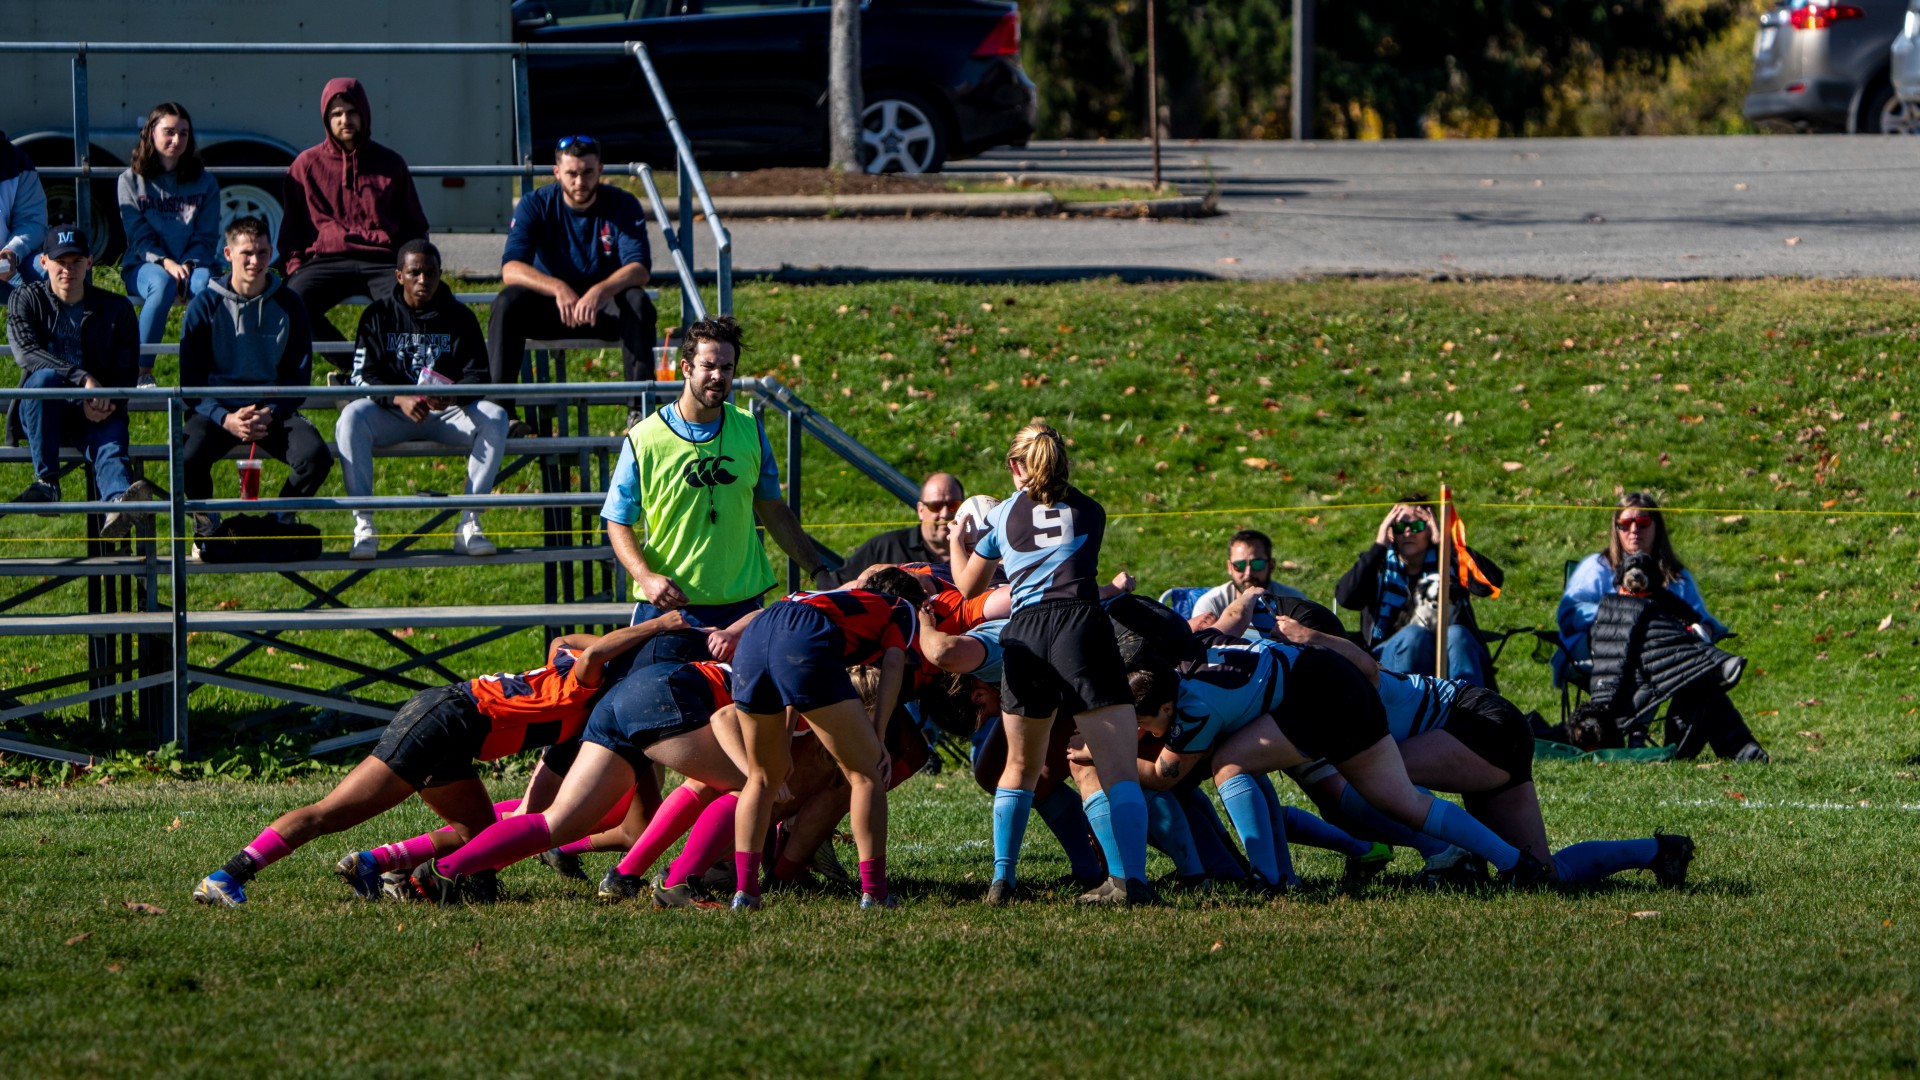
column 1701, row 714
column 1386, row 585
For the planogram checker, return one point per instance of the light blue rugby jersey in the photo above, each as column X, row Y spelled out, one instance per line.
column 1415, row 703
column 1226, row 690
column 1048, row 552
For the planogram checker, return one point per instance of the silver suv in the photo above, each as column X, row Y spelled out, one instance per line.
column 1821, row 65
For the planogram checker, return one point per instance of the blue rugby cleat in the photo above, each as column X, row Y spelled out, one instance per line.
column 357, row 869
column 219, row 889
column 745, row 902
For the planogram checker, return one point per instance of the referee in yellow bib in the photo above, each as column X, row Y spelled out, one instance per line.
column 693, row 475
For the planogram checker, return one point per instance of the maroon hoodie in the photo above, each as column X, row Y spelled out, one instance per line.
column 339, row 202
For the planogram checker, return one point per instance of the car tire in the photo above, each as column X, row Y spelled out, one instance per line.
column 103, row 217
column 1889, row 114
column 901, row 131
column 243, row 199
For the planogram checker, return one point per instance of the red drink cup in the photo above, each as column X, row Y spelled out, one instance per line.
column 249, row 478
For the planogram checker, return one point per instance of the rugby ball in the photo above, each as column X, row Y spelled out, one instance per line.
column 970, row 524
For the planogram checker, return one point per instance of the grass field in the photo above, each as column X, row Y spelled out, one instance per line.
column 1781, row 410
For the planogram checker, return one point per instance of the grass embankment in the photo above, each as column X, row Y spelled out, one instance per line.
column 1290, row 407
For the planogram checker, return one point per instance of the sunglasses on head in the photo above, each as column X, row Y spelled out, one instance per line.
column 1642, row 521
column 937, row 505
column 1243, row 565
column 1409, row 526
column 584, row 142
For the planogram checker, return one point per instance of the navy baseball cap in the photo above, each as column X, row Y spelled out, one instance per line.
column 67, row 240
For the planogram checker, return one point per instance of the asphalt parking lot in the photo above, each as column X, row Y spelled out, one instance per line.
column 1574, row 209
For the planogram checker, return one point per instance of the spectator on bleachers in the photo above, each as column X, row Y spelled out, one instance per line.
column 69, row 333
column 420, row 338
column 1701, row 714
column 1393, row 585
column 23, row 218
column 248, row 329
column 927, row 542
column 1249, row 579
column 694, row 476
column 351, row 203
column 170, row 211
column 576, row 265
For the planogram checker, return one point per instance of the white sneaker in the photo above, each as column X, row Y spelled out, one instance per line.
column 366, row 541
column 469, row 540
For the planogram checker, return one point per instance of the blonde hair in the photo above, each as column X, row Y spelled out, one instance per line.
column 866, row 683
column 1042, row 455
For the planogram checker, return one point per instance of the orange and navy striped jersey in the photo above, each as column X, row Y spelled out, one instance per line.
column 871, row 622
column 952, row 612
column 535, row 708
column 719, row 680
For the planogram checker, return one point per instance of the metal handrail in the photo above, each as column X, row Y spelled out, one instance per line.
column 691, row 184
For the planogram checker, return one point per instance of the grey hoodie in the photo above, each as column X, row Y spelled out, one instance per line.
column 170, row 218
column 230, row 340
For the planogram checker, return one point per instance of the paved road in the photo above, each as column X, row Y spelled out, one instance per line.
column 1823, row 206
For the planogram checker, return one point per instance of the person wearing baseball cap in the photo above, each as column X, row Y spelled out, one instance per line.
column 67, row 333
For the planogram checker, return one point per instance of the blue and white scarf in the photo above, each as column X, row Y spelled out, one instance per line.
column 1395, row 590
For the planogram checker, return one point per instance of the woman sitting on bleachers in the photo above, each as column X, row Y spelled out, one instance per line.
column 170, row 211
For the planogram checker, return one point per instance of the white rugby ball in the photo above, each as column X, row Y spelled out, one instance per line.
column 970, row 524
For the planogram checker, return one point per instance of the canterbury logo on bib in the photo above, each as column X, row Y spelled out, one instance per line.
column 708, row 472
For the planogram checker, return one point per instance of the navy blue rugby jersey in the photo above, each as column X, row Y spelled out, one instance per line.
column 1048, row 552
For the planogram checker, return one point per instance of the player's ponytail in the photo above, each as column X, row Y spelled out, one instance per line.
column 1042, row 455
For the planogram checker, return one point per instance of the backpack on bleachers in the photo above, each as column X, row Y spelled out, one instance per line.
column 258, row 538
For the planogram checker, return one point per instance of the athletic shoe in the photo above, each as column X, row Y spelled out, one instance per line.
column 564, row 864
column 617, row 887
column 519, row 429
column 144, row 491
column 39, row 492
column 220, row 889
column 366, row 541
column 434, row 886
column 469, row 540
column 1752, row 754
column 1121, row 892
column 1186, row 883
column 687, row 894
column 116, row 525
column 868, row 901
column 1454, row 868
column 1671, row 861
column 745, row 902
column 999, row 894
column 1528, row 873
column 1142, row 894
column 483, row 886
column 145, row 380
column 826, row 862
column 1362, row 869
column 394, row 885
column 358, row 869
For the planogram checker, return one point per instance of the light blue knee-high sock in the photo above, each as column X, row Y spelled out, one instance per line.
column 1167, row 830
column 1304, row 828
column 1218, row 858
column 1099, row 811
column 1128, row 806
column 1282, row 856
column 1010, row 807
column 1248, row 810
column 1457, row 827
column 1577, row 864
column 1060, row 809
column 1361, row 814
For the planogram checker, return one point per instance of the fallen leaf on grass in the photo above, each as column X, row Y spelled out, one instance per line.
column 115, row 968
column 1512, row 466
column 1217, row 946
column 1644, row 915
column 78, row 938
column 139, row 908
column 297, row 667
column 176, row 824
column 1886, row 622
column 1735, row 795
column 1257, row 463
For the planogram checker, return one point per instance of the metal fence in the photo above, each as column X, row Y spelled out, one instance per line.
column 691, row 187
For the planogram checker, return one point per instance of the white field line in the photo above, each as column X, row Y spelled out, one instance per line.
column 1780, row 804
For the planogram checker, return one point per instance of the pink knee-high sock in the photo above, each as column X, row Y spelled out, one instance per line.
column 502, row 844
column 404, row 855
column 679, row 811
column 873, row 877
column 500, row 810
column 267, row 848
column 711, row 838
column 746, row 872
column 582, row 846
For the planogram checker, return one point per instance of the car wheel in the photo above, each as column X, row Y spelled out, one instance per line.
column 1895, row 115
column 244, row 200
column 103, row 218
column 901, row 132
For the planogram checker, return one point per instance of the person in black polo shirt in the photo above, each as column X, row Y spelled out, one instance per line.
column 576, row 265
column 940, row 498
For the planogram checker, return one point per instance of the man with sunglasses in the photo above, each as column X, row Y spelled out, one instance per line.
column 576, row 265
column 1392, row 583
column 927, row 542
column 1249, row 584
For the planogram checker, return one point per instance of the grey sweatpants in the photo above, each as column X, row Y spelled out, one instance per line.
column 367, row 423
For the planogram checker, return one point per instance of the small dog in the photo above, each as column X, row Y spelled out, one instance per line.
column 1425, row 606
column 1638, row 575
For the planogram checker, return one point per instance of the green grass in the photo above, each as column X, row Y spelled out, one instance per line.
column 1195, row 410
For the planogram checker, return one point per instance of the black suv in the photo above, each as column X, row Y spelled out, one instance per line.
column 748, row 79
